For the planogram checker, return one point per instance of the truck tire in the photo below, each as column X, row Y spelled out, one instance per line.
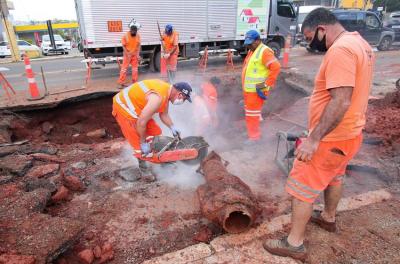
column 157, row 60
column 276, row 47
column 385, row 44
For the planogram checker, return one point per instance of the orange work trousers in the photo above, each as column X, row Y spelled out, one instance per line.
column 128, row 128
column 134, row 62
column 252, row 107
column 172, row 62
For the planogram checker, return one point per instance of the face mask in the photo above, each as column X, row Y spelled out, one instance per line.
column 178, row 101
column 133, row 34
column 317, row 44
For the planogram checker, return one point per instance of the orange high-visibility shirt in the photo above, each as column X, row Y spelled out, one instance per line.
column 132, row 44
column 137, row 95
column 170, row 42
column 270, row 61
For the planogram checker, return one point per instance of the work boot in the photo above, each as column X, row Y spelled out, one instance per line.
column 146, row 174
column 282, row 248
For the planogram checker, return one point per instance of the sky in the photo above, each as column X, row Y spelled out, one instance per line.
column 27, row 10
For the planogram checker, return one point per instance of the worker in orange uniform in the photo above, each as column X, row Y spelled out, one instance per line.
column 134, row 107
column 131, row 52
column 210, row 96
column 170, row 39
column 336, row 115
column 260, row 71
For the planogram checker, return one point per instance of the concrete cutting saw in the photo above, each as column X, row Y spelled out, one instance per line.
column 191, row 150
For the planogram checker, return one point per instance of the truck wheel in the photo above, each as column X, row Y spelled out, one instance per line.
column 385, row 43
column 157, row 60
column 276, row 47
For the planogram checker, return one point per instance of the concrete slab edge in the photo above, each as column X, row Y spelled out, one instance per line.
column 225, row 242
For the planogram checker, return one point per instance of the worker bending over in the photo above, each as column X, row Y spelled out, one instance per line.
column 134, row 107
column 336, row 119
column 260, row 71
column 210, row 95
column 170, row 39
column 131, row 54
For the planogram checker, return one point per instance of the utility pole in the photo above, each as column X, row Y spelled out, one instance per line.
column 9, row 29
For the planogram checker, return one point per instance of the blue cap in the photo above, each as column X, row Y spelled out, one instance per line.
column 168, row 29
column 184, row 88
column 251, row 36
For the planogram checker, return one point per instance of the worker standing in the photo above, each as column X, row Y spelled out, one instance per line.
column 131, row 54
column 170, row 40
column 134, row 107
column 259, row 74
column 336, row 118
column 210, row 95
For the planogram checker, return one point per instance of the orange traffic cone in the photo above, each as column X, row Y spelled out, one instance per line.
column 33, row 88
column 229, row 60
column 204, row 60
column 163, row 65
column 286, row 51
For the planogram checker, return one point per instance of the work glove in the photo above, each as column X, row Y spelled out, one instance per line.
column 175, row 132
column 145, row 148
column 263, row 92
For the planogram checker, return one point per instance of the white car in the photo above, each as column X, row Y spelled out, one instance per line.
column 23, row 46
column 61, row 46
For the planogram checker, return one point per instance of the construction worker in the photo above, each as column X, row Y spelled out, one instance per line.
column 131, row 52
column 170, row 39
column 210, row 96
column 336, row 118
column 134, row 107
column 260, row 71
column 201, row 114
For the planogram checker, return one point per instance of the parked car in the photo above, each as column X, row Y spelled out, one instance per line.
column 394, row 24
column 47, row 49
column 395, row 15
column 367, row 24
column 23, row 46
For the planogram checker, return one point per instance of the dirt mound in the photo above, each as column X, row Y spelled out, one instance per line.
column 383, row 119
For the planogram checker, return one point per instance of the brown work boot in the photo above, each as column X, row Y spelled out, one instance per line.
column 282, row 248
column 316, row 218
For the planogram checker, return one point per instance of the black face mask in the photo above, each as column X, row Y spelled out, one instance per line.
column 133, row 34
column 317, row 44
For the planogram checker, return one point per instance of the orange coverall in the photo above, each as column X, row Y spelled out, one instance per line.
column 170, row 42
column 132, row 44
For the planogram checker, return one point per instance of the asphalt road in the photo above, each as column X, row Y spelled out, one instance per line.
column 65, row 73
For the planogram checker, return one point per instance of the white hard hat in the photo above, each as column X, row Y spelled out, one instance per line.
column 134, row 23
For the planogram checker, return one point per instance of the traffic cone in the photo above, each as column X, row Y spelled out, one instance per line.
column 285, row 63
column 163, row 65
column 33, row 88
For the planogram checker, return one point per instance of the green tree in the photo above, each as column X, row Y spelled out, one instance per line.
column 391, row 5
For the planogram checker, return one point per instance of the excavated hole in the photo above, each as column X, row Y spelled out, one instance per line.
column 237, row 222
column 70, row 123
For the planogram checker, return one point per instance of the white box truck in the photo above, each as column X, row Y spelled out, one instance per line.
column 217, row 24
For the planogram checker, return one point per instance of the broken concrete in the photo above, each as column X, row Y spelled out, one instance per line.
column 43, row 170
column 16, row 164
column 224, row 198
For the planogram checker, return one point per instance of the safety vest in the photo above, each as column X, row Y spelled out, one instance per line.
column 132, row 99
column 256, row 71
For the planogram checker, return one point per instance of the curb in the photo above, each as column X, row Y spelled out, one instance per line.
column 226, row 242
